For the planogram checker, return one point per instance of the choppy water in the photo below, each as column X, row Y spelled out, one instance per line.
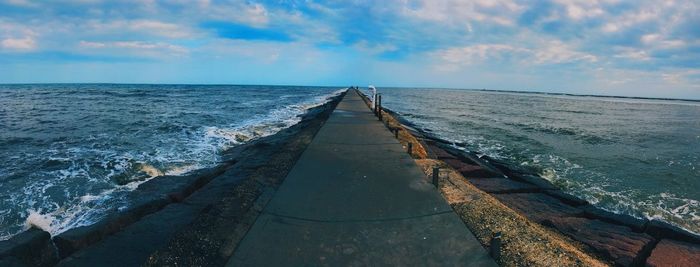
column 635, row 156
column 70, row 152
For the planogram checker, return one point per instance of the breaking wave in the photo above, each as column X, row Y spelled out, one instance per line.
column 77, row 181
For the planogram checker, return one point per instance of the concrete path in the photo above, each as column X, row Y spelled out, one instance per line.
column 356, row 198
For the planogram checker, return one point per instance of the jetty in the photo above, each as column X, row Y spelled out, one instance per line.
column 355, row 197
column 354, row 185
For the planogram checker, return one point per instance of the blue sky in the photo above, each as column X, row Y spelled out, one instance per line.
column 611, row 47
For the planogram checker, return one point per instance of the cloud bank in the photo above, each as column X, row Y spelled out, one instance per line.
column 613, row 47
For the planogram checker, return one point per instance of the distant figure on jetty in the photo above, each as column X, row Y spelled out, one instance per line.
column 374, row 96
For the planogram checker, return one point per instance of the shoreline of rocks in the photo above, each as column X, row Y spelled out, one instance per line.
column 622, row 239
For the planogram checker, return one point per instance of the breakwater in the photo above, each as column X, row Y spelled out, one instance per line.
column 70, row 153
column 210, row 211
column 166, row 210
column 620, row 239
column 628, row 156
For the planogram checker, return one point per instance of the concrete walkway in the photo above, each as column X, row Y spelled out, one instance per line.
column 356, row 198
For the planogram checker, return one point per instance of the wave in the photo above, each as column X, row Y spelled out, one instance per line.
column 665, row 206
column 585, row 182
column 275, row 121
column 576, row 133
column 82, row 190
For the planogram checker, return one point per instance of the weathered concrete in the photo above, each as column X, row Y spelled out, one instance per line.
column 356, row 198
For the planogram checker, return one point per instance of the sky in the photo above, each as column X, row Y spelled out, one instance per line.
column 609, row 47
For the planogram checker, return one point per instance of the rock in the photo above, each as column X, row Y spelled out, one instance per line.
column 439, row 153
column 29, row 248
column 473, row 159
column 662, row 230
column 434, row 138
column 474, row 171
column 502, row 185
column 459, row 154
column 614, row 242
column 507, row 168
column 635, row 224
column 469, row 170
column 456, row 163
column 537, row 206
column 77, row 238
column 180, row 187
column 536, row 180
column 674, row 253
column 566, row 198
column 176, row 187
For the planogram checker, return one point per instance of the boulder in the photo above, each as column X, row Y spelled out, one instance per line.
column 475, row 171
column 502, row 185
column 507, row 168
column 536, row 180
column 439, row 153
column 674, row 253
column 29, row 248
column 462, row 155
column 566, row 198
column 435, row 139
column 636, row 224
column 661, row 230
column 469, row 170
column 614, row 242
column 537, row 206
column 179, row 187
column 456, row 163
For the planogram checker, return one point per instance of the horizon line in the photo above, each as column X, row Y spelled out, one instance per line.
column 390, row 87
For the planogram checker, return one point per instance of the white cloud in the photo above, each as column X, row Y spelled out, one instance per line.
column 374, row 49
column 631, row 19
column 297, row 53
column 659, row 42
column 17, row 37
column 160, row 28
column 24, row 3
column 144, row 26
column 634, row 54
column 20, row 44
column 680, row 77
column 255, row 15
column 556, row 52
column 476, row 53
column 138, row 48
column 583, row 9
column 547, row 53
column 500, row 12
column 650, row 38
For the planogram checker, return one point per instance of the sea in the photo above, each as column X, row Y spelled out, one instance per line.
column 71, row 152
column 632, row 156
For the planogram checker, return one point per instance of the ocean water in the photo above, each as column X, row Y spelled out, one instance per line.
column 633, row 156
column 70, row 152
